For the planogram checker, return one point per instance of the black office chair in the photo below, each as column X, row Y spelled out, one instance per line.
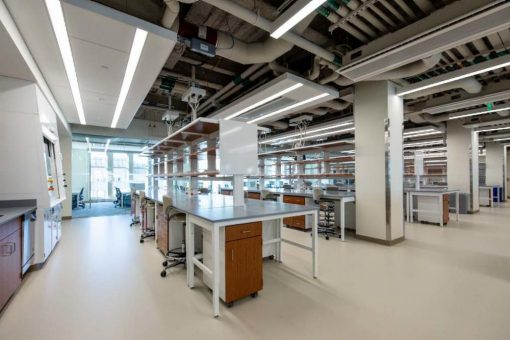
column 81, row 200
column 326, row 225
column 118, row 198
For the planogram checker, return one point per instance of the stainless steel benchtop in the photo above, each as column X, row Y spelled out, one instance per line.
column 220, row 208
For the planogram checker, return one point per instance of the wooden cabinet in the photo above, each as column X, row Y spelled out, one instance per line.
column 162, row 230
column 243, row 268
column 254, row 195
column 10, row 259
column 240, row 261
column 446, row 209
column 296, row 221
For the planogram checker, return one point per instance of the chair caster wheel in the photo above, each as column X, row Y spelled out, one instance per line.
column 271, row 257
column 254, row 295
column 230, row 305
column 164, row 264
column 141, row 241
column 163, row 273
column 327, row 237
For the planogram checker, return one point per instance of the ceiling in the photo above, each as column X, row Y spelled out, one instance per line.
column 13, row 64
column 100, row 42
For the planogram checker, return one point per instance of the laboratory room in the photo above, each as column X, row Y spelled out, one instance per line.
column 240, row 169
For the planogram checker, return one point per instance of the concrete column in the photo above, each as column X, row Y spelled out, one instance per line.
column 507, row 157
column 462, row 162
column 494, row 162
column 379, row 173
column 419, row 169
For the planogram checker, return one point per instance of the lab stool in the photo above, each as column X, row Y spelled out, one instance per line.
column 326, row 225
column 177, row 255
column 148, row 228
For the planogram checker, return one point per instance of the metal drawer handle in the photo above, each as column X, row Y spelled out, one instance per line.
column 12, row 249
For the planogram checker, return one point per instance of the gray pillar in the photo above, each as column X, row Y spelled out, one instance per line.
column 378, row 117
column 494, row 162
column 462, row 162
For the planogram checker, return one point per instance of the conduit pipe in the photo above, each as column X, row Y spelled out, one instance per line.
column 207, row 66
column 255, row 19
column 335, row 18
column 245, row 83
column 189, row 79
column 344, row 12
column 278, row 125
column 316, row 69
column 470, row 85
column 250, row 70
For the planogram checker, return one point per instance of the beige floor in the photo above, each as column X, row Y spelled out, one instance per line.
column 450, row 283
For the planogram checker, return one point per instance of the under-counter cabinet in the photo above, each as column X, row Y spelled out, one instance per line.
column 240, row 261
column 10, row 259
column 298, row 222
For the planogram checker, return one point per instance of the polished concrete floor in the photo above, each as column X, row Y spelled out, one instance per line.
column 441, row 283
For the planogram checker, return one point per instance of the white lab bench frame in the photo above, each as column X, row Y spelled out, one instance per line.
column 193, row 260
column 439, row 194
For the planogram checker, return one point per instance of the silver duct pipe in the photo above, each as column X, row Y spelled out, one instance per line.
column 278, row 125
column 410, row 69
column 255, row 19
column 470, row 85
column 316, row 69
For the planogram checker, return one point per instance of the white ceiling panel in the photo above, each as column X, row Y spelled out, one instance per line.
column 101, row 40
column 11, row 61
column 100, row 69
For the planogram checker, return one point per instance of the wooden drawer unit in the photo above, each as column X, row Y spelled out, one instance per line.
column 446, row 209
column 240, row 231
column 162, row 230
column 296, row 221
column 294, row 199
column 243, row 268
column 254, row 195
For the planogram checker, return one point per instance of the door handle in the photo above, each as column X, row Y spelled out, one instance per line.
column 8, row 245
column 246, row 231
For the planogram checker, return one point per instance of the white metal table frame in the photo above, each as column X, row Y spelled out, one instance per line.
column 410, row 204
column 193, row 260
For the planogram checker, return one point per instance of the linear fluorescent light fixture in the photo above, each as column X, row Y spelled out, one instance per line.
column 494, row 129
column 425, row 143
column 290, row 107
column 304, row 8
column 501, row 139
column 422, row 134
column 267, row 141
column 479, row 113
column 264, row 101
column 134, row 58
column 314, row 136
column 58, row 23
column 448, row 78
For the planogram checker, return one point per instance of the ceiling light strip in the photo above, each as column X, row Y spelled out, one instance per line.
column 296, row 18
column 448, row 78
column 134, row 58
column 479, row 113
column 267, row 141
column 264, row 101
column 290, row 107
column 314, row 136
column 56, row 15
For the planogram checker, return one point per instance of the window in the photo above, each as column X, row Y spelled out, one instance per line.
column 98, row 175
column 120, row 171
column 139, row 174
